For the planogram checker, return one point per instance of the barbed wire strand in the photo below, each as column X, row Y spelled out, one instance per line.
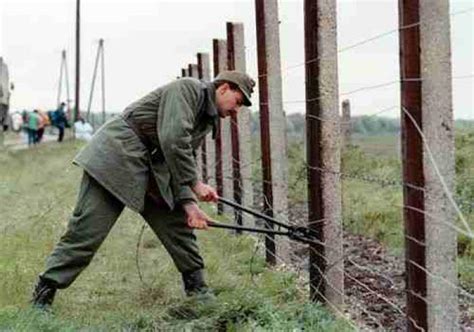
column 409, row 238
column 438, row 173
column 362, row 42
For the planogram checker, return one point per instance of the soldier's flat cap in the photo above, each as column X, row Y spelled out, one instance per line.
column 242, row 80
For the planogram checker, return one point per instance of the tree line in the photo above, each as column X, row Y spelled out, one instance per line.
column 363, row 125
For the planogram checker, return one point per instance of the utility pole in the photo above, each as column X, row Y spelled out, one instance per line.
column 101, row 44
column 94, row 75
column 60, row 85
column 99, row 57
column 63, row 70
column 78, row 60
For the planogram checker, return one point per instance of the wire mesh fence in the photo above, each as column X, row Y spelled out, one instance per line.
column 374, row 263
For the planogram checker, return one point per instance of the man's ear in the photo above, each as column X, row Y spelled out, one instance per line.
column 224, row 87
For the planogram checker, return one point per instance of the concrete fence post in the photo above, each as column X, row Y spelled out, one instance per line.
column 208, row 146
column 223, row 138
column 272, row 125
column 240, row 129
column 323, row 151
column 193, row 72
column 346, row 126
column 428, row 165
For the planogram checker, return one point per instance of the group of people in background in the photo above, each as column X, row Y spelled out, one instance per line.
column 33, row 124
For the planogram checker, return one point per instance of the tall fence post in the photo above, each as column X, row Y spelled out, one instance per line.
column 194, row 73
column 346, row 125
column 193, row 70
column 208, row 146
column 428, row 155
column 240, row 128
column 323, row 151
column 438, row 127
column 223, row 137
column 272, row 124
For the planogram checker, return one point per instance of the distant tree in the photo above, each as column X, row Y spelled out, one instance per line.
column 362, row 125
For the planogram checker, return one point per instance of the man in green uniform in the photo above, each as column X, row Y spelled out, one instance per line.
column 145, row 160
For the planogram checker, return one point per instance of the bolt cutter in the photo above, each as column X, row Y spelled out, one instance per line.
column 297, row 233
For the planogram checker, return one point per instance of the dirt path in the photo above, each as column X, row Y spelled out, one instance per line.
column 20, row 141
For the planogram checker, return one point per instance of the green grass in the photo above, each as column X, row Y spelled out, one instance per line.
column 37, row 191
column 375, row 210
column 381, row 145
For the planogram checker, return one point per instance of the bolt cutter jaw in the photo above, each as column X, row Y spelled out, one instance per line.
column 303, row 234
column 296, row 233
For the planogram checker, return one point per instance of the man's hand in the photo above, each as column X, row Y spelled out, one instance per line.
column 205, row 193
column 195, row 217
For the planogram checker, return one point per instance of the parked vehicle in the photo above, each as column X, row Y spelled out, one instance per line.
column 5, row 92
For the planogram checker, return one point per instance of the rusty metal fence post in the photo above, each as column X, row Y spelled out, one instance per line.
column 412, row 160
column 323, row 151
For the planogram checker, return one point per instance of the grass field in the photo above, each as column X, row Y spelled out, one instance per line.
column 37, row 193
column 387, row 146
column 373, row 208
column 379, row 215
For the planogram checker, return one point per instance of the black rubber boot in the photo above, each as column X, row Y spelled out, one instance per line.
column 43, row 295
column 194, row 283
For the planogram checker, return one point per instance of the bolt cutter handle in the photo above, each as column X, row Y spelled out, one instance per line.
column 215, row 224
column 297, row 233
column 253, row 212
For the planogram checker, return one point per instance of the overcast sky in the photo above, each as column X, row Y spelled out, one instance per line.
column 148, row 41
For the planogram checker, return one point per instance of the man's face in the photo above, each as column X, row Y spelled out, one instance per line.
column 228, row 101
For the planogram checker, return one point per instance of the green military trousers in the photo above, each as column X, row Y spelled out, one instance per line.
column 93, row 217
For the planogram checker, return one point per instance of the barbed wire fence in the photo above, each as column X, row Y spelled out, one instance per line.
column 378, row 283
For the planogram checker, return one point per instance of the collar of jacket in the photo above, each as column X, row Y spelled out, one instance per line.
column 210, row 90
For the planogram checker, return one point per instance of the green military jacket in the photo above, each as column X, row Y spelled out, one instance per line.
column 155, row 139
